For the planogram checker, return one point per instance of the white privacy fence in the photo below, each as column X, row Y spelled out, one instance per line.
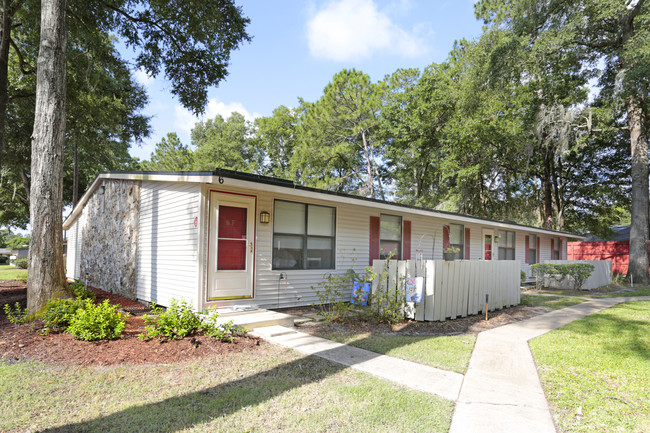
column 451, row 289
column 600, row 276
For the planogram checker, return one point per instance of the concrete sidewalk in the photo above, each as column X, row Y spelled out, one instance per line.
column 502, row 391
column 443, row 383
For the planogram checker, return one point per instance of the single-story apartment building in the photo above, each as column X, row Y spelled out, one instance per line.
column 227, row 238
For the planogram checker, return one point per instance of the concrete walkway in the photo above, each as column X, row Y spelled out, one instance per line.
column 501, row 391
column 443, row 383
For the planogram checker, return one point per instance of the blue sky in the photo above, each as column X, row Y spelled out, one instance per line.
column 298, row 46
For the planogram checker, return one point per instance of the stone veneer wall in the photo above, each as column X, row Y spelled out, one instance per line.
column 110, row 237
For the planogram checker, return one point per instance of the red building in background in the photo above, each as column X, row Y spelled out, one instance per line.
column 617, row 249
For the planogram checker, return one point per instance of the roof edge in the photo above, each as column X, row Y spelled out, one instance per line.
column 208, row 177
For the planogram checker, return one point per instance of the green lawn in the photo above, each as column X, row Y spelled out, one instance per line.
column 12, row 273
column 596, row 371
column 612, row 293
column 550, row 302
column 271, row 390
column 445, row 352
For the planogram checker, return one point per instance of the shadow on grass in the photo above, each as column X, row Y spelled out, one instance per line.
column 180, row 412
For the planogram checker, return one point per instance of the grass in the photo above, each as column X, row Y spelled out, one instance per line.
column 612, row 292
column 12, row 273
column 596, row 370
column 445, row 352
column 271, row 390
column 550, row 302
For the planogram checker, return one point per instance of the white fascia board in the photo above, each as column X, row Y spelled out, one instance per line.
column 212, row 179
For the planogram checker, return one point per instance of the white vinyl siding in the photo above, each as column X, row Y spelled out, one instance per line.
column 168, row 242
column 73, row 259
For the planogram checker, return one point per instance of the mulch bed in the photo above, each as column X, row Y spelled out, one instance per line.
column 25, row 341
column 461, row 325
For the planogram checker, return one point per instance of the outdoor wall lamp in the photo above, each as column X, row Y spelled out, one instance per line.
column 265, row 217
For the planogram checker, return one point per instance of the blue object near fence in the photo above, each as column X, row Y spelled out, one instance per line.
column 360, row 293
column 414, row 289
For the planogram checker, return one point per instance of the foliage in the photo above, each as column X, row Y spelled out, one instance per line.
column 81, row 291
column 572, row 39
column 4, row 260
column 332, row 304
column 169, row 155
column 451, row 250
column 577, row 273
column 225, row 143
column 18, row 242
column 16, row 315
column 523, row 277
column 58, row 313
column 339, row 146
column 21, row 263
column 97, row 321
column 386, row 303
column 180, row 320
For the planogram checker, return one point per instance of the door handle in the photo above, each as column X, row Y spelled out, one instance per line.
column 250, row 247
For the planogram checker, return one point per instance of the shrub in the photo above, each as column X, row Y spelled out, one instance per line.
column 576, row 272
column 97, row 322
column 16, row 315
column 180, row 321
column 386, row 303
column 21, row 263
column 4, row 260
column 58, row 313
column 81, row 291
column 332, row 305
column 523, row 277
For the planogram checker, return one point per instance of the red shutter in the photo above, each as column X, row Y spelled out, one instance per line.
column 527, row 249
column 445, row 237
column 539, row 241
column 406, row 238
column 374, row 239
column 466, row 243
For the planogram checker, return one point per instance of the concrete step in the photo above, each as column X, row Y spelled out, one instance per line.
column 259, row 319
column 274, row 331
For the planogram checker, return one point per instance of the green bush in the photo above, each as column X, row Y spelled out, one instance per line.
column 523, row 277
column 577, row 272
column 180, row 321
column 4, row 260
column 16, row 315
column 21, row 263
column 58, row 313
column 332, row 305
column 81, row 291
column 97, row 322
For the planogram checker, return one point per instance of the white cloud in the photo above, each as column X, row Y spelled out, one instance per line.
column 346, row 30
column 143, row 78
column 185, row 120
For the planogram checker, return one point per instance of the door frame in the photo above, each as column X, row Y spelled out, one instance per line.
column 491, row 233
column 210, row 252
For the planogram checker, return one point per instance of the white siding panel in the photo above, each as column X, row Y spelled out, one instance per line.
column 73, row 261
column 168, row 242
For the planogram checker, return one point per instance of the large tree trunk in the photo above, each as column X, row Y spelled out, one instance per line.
column 638, row 261
column 46, row 276
column 5, row 35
